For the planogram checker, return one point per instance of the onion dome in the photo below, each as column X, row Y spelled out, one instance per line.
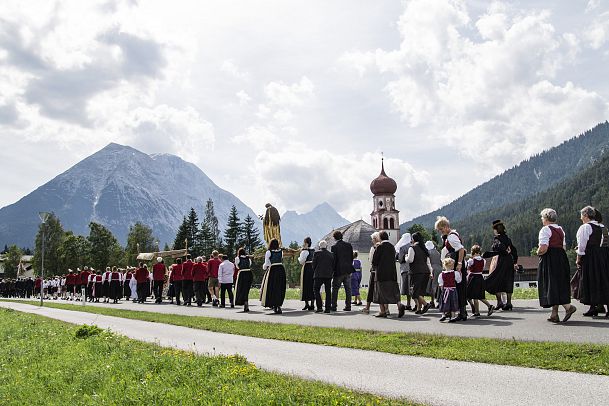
column 383, row 184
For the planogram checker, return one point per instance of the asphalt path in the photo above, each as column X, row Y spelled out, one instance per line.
column 526, row 322
column 425, row 380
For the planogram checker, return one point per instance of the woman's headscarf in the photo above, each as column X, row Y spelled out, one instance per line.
column 429, row 245
column 406, row 239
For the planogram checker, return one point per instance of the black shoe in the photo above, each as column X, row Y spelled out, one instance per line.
column 311, row 307
column 443, row 318
column 601, row 309
column 347, row 309
column 490, row 311
column 305, row 308
column 319, row 311
column 222, row 306
column 232, row 306
column 401, row 311
column 454, row 320
column 178, row 303
column 591, row 312
column 425, row 308
column 214, row 303
column 499, row 306
column 279, row 310
column 409, row 308
column 333, row 309
column 508, row 307
column 417, row 312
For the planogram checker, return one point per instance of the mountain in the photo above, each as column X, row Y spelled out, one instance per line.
column 118, row 186
column 522, row 221
column 536, row 174
column 315, row 224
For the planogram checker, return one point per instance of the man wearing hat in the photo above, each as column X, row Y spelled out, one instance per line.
column 158, row 279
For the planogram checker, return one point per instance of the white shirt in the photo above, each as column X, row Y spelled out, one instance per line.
column 453, row 240
column 106, row 277
column 470, row 262
column 545, row 233
column 302, row 258
column 226, row 272
column 267, row 260
column 583, row 235
column 441, row 281
column 410, row 259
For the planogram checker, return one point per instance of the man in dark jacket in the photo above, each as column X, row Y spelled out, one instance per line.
column 343, row 268
column 323, row 268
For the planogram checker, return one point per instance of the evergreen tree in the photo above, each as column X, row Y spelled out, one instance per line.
column 105, row 249
column 211, row 222
column 75, row 251
column 206, row 242
column 139, row 234
column 11, row 261
column 192, row 232
column 418, row 228
column 180, row 240
column 53, row 237
column 166, row 247
column 250, row 237
column 232, row 233
column 5, row 250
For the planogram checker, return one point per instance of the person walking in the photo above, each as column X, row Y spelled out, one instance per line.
column 356, row 280
column 158, row 279
column 436, row 264
column 405, row 275
column 476, row 291
column 176, row 277
column 116, row 283
column 225, row 277
column 375, row 241
column 553, row 273
column 143, row 282
column 187, row 286
column 213, row 284
column 421, row 270
column 343, row 268
column 503, row 265
column 305, row 259
column 323, row 269
column 244, row 279
column 199, row 276
column 386, row 289
column 272, row 290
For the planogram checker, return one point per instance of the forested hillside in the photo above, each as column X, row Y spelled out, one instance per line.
column 522, row 219
column 534, row 175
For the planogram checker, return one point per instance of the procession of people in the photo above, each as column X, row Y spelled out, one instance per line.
column 445, row 274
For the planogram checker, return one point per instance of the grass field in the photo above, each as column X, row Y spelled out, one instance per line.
column 587, row 358
column 48, row 362
column 294, row 294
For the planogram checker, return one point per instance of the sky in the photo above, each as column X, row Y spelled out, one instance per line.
column 293, row 102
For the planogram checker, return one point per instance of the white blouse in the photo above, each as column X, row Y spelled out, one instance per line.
column 583, row 235
column 545, row 233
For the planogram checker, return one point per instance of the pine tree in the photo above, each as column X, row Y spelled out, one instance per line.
column 211, row 222
column 418, row 228
column 105, row 249
column 232, row 233
column 250, row 237
column 166, row 247
column 192, row 231
column 53, row 237
column 139, row 235
column 180, row 240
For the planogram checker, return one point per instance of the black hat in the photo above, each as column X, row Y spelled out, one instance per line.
column 497, row 223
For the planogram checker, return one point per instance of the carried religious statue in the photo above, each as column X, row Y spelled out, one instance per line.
column 271, row 224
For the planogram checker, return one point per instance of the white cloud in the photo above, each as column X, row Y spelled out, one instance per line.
column 229, row 67
column 243, row 97
column 597, row 34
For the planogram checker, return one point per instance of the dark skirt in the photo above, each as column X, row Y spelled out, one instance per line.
column 272, row 291
column 553, row 278
column 106, row 289
column 243, row 285
column 99, row 290
column 371, row 282
column 502, row 278
column 126, row 290
column 449, row 300
column 171, row 291
column 594, row 282
column 115, row 290
column 419, row 284
column 386, row 292
column 405, row 286
column 356, row 280
column 306, row 283
column 475, row 286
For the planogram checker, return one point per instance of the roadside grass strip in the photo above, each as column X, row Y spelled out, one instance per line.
column 49, row 362
column 574, row 357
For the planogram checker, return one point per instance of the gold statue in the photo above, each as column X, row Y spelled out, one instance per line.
column 271, row 225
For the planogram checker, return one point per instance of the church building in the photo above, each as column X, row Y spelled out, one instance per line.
column 384, row 215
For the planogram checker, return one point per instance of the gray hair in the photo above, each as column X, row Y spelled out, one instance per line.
column 589, row 212
column 376, row 236
column 323, row 244
column 549, row 215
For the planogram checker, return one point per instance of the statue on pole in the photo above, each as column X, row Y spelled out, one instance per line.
column 271, row 225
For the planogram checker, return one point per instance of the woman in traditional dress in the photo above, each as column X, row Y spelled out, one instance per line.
column 605, row 248
column 307, row 294
column 476, row 291
column 553, row 273
column 376, row 240
column 99, row 286
column 436, row 265
column 356, row 280
column 116, row 280
column 503, row 265
column 386, row 289
column 244, row 279
column 592, row 259
column 421, row 271
column 106, row 287
column 405, row 274
column 272, row 291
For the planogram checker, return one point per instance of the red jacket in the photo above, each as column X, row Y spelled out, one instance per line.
column 199, row 272
column 187, row 270
column 212, row 267
column 176, row 272
column 158, row 271
column 84, row 277
column 70, row 279
column 38, row 283
column 141, row 275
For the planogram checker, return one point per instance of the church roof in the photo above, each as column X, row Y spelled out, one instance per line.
column 357, row 234
column 383, row 184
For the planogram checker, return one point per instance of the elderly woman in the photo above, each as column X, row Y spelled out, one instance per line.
column 592, row 260
column 503, row 265
column 405, row 286
column 422, row 272
column 376, row 240
column 553, row 273
column 386, row 289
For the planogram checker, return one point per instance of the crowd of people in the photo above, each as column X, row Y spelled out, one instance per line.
column 450, row 277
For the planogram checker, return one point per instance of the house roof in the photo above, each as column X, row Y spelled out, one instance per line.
column 357, row 234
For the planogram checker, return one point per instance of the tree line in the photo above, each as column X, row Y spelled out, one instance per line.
column 65, row 250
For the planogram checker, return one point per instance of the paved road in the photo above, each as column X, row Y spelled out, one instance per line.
column 423, row 380
column 526, row 322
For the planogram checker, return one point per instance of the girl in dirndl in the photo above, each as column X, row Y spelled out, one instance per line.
column 244, row 279
column 476, row 292
column 272, row 291
column 449, row 299
column 356, row 280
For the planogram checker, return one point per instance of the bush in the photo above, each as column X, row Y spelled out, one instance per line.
column 86, row 331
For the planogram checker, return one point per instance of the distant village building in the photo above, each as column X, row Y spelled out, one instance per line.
column 25, row 268
column 384, row 215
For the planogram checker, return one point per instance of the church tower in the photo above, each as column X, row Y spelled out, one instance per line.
column 385, row 217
